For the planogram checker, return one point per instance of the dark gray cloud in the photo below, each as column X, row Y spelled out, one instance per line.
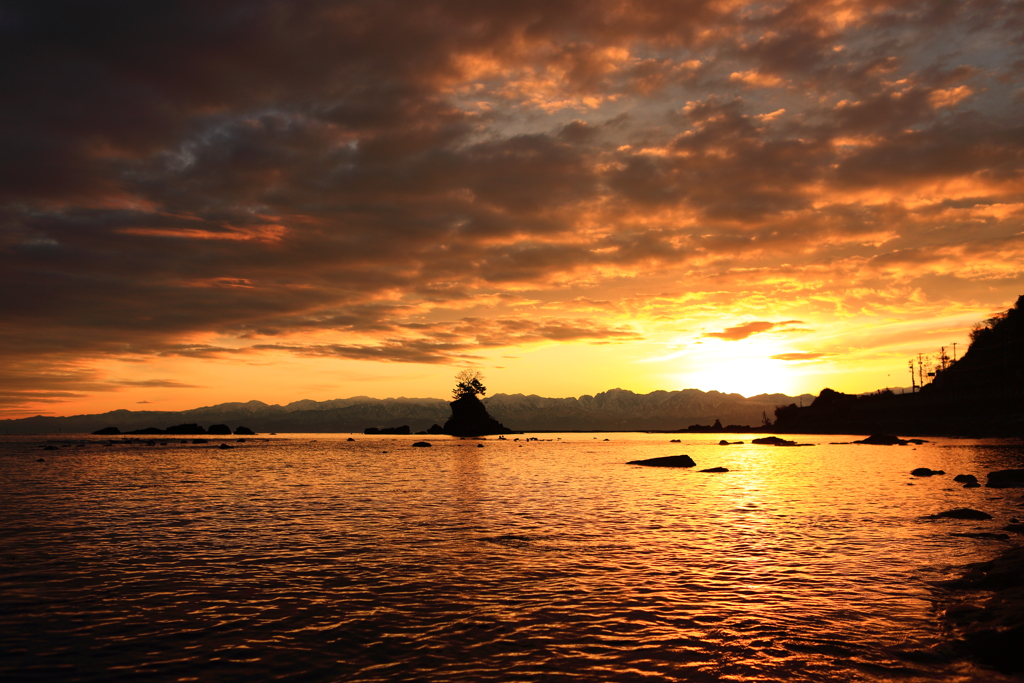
column 173, row 173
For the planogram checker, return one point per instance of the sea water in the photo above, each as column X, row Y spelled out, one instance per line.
column 320, row 558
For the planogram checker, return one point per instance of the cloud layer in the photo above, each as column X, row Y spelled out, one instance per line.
column 421, row 183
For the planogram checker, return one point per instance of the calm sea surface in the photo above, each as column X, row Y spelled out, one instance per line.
column 314, row 558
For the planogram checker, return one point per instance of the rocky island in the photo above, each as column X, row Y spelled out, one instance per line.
column 469, row 416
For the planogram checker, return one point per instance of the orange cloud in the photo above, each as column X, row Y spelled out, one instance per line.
column 446, row 179
column 798, row 356
column 739, row 332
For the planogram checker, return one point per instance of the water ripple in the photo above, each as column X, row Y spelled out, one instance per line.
column 329, row 560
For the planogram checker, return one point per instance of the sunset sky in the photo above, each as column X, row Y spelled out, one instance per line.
column 227, row 200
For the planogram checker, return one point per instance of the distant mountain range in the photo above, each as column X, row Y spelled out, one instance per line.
column 614, row 410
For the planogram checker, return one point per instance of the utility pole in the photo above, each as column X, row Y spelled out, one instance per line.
column 913, row 386
column 920, row 370
column 954, row 352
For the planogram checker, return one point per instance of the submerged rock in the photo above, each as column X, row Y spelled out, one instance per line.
column 715, row 469
column 982, row 534
column 421, row 444
column 1006, row 479
column 925, row 472
column 963, row 513
column 965, row 479
column 666, row 461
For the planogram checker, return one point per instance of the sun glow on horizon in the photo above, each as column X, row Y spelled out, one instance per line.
column 747, row 374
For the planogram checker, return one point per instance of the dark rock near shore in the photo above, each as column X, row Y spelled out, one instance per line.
column 422, row 444
column 925, row 472
column 666, row 461
column 435, row 429
column 965, row 479
column 990, row 634
column 963, row 513
column 470, row 418
column 1006, row 479
column 219, row 430
column 715, row 469
column 107, row 431
column 244, row 431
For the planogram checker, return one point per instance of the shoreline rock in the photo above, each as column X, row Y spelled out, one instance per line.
column 962, row 513
column 989, row 633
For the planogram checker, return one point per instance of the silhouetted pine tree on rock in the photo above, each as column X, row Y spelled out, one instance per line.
column 469, row 416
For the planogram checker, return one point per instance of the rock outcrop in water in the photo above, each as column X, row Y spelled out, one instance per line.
column 963, row 513
column 883, row 440
column 1006, row 479
column 925, row 472
column 773, row 441
column 470, row 418
column 666, row 461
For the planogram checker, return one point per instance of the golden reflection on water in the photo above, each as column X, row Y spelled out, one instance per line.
column 521, row 560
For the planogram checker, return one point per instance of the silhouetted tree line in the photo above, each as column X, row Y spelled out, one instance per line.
column 980, row 394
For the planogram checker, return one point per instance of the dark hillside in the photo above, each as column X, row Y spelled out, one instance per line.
column 982, row 394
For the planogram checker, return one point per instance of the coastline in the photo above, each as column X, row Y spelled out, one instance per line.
column 983, row 610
